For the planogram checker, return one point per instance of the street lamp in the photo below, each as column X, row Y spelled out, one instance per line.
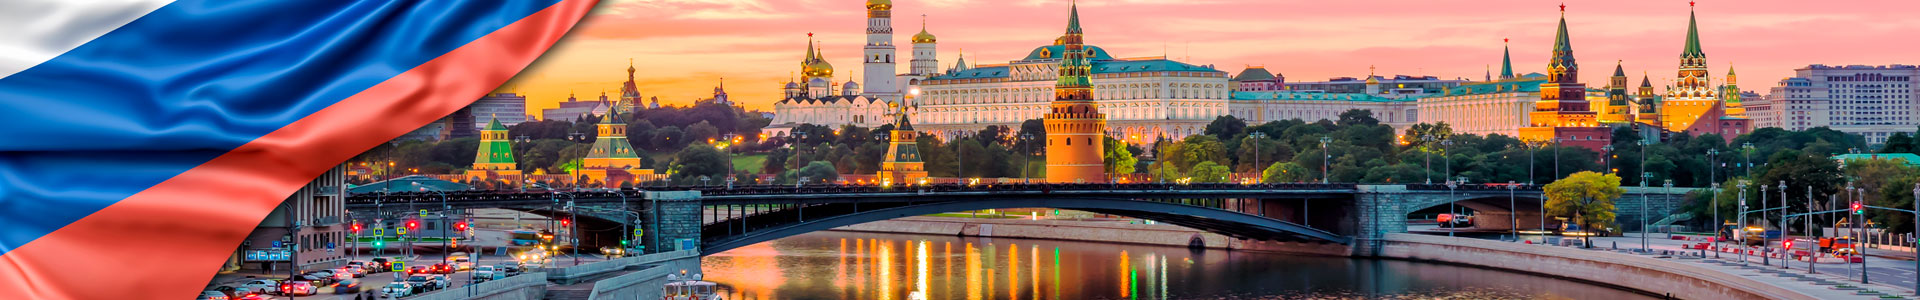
column 1606, row 154
column 1749, row 157
column 1513, row 219
column 1026, row 141
column 1446, row 153
column 1742, row 220
column 1556, row 159
column 1643, row 210
column 1324, row 158
column 1667, row 188
column 1257, row 136
column 1451, row 213
column 1783, row 223
column 1764, row 259
column 1717, row 226
column 1425, row 148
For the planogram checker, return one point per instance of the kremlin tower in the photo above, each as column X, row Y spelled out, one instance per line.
column 612, row 159
column 902, row 165
column 495, row 157
column 1616, row 110
column 1563, row 112
column 1693, row 105
column 1075, row 124
column 878, row 80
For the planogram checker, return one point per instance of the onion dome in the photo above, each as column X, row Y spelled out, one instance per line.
column 850, row 86
column 818, row 67
column 793, row 85
column 879, row 4
column 923, row 37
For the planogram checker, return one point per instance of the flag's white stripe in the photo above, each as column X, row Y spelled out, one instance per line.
column 34, row 31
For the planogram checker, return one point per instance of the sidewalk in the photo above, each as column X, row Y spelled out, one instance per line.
column 1824, row 284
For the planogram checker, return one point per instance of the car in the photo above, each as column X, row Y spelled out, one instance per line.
column 242, row 291
column 349, row 286
column 442, row 268
column 299, row 288
column 314, row 278
column 423, row 283
column 396, row 290
column 338, row 275
column 353, row 271
column 441, row 281
column 462, row 263
column 262, row 286
column 254, row 297
column 212, row 295
column 417, row 269
column 485, row 273
column 381, row 264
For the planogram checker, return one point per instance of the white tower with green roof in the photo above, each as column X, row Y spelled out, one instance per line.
column 496, row 152
column 612, row 157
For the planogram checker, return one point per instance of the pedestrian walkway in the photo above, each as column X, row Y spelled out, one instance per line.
column 1832, row 281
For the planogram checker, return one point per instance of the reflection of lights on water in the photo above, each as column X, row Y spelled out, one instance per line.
column 1013, row 271
column 1033, row 277
column 886, row 268
column 1126, row 287
column 973, row 273
column 920, row 280
column 1056, row 272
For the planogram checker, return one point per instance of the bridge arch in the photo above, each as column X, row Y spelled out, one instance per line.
column 773, row 225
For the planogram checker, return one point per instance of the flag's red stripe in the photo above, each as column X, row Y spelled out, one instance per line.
column 167, row 242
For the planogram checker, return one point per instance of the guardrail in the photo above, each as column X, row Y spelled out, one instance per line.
column 569, row 274
column 489, row 288
column 607, row 286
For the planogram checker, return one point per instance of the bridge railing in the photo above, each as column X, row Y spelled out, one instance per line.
column 637, row 193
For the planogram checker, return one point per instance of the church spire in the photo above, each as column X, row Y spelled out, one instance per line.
column 1692, row 49
column 1506, row 59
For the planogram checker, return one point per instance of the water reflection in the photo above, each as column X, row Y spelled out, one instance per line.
column 886, row 266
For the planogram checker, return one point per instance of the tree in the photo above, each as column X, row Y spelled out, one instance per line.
column 1208, row 171
column 1225, row 126
column 1281, row 172
column 1399, row 173
column 1359, row 117
column 1269, row 150
column 815, row 172
column 1197, row 149
column 696, row 161
column 1900, row 142
column 1587, row 197
column 1117, row 159
column 702, row 131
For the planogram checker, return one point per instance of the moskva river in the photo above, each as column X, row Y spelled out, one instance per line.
column 845, row 265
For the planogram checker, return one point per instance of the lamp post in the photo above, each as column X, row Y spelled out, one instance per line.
column 1643, row 210
column 1025, row 163
column 1667, row 189
column 1556, row 159
column 1451, row 213
column 1748, row 152
column 1742, row 223
column 1916, row 226
column 1324, row 159
column 1425, row 148
column 1606, row 154
column 1513, row 219
column 1713, row 155
column 1530, row 167
column 1764, row 259
column 1783, row 225
column 1257, row 136
column 1446, row 154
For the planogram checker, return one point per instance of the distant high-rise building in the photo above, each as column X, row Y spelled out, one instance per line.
column 508, row 108
column 1872, row 101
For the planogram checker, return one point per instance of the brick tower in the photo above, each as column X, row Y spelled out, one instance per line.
column 1075, row 124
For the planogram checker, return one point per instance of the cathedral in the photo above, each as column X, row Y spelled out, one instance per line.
column 816, row 99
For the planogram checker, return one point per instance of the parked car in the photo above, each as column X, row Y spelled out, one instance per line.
column 396, row 290
column 299, row 288
column 261, row 286
column 349, row 286
column 212, row 295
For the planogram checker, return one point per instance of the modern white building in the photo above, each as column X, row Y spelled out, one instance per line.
column 574, row 108
column 1490, row 107
column 509, row 108
column 1872, row 101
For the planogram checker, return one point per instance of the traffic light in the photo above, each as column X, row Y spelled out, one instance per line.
column 1857, row 208
column 413, row 224
column 566, row 222
column 460, row 226
column 454, row 243
column 623, row 243
column 356, row 228
column 1787, row 244
column 380, row 243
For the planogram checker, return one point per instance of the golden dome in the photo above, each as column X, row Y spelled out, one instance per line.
column 879, row 4
column 818, row 67
column 1373, row 80
column 923, row 37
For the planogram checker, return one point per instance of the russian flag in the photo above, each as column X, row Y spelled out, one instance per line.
column 141, row 140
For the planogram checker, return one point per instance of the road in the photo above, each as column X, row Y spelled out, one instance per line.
column 1900, row 273
column 371, row 284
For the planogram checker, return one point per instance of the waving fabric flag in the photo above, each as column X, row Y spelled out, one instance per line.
column 141, row 140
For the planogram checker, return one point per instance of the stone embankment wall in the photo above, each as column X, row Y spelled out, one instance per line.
column 1088, row 231
column 1681, row 280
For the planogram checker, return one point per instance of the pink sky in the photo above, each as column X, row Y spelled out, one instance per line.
column 682, row 47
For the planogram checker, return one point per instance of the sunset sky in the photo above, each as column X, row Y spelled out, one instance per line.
column 683, row 47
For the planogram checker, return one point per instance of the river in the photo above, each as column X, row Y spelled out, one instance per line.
column 846, row 265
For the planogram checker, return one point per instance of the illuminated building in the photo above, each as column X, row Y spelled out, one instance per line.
column 1692, row 104
column 902, row 165
column 1074, row 116
column 1563, row 113
column 1872, row 101
column 612, row 160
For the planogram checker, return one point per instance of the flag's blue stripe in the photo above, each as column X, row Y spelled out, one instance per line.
column 195, row 79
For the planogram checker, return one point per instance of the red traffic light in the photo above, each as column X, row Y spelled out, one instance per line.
column 1856, row 207
column 566, row 222
column 460, row 226
column 356, row 227
column 413, row 224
